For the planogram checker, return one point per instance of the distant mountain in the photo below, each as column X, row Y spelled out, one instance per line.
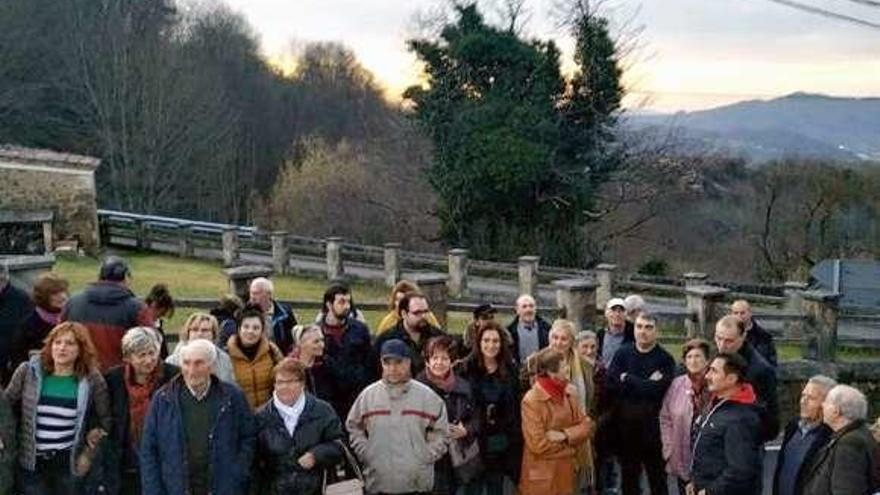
column 800, row 124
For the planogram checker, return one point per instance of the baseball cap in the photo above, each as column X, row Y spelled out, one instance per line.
column 394, row 348
column 616, row 302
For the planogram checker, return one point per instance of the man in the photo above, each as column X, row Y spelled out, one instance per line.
column 803, row 437
column 398, row 427
column 727, row 444
column 413, row 329
column 637, row 381
column 730, row 338
column 108, row 309
column 279, row 317
column 199, row 434
column 15, row 308
column 756, row 336
column 615, row 334
column 348, row 354
column 845, row 463
column 482, row 314
column 528, row 331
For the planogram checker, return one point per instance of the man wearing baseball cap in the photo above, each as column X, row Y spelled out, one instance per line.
column 615, row 333
column 397, row 427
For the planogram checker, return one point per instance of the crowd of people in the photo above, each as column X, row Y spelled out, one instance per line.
column 253, row 401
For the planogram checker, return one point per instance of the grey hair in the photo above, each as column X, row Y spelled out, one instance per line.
column 823, row 382
column 584, row 335
column 634, row 302
column 205, row 347
column 525, row 297
column 139, row 339
column 263, row 283
column 850, row 401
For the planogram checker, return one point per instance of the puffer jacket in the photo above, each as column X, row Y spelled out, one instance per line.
column 549, row 468
column 163, row 446
column 398, row 431
column 318, row 431
column 676, row 419
column 23, row 393
column 254, row 377
column 726, row 453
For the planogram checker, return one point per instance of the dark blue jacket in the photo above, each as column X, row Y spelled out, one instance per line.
column 349, row 365
column 163, row 448
column 543, row 337
column 762, row 376
column 822, row 435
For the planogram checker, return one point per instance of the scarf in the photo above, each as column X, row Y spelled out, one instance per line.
column 336, row 332
column 48, row 316
column 290, row 414
column 554, row 387
column 138, row 401
column 444, row 383
column 699, row 394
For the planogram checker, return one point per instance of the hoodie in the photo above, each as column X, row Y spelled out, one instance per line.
column 726, row 451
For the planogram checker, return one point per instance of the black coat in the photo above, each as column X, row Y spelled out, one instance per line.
column 822, row 435
column 15, row 308
column 727, row 450
column 543, row 337
column 318, row 431
column 416, row 349
column 762, row 376
column 118, row 455
column 349, row 365
column 762, row 341
column 845, row 464
column 628, row 338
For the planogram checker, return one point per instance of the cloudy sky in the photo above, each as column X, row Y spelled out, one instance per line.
column 692, row 54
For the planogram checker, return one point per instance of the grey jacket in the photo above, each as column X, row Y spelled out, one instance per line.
column 398, row 432
column 23, row 393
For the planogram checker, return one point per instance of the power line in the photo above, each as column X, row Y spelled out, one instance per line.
column 870, row 3
column 827, row 13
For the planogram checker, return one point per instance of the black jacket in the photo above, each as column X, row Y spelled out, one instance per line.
column 543, row 337
column 416, row 349
column 727, row 450
column 844, row 465
column 348, row 366
column 762, row 376
column 628, row 338
column 762, row 341
column 119, row 456
column 822, row 435
column 318, row 431
column 15, row 308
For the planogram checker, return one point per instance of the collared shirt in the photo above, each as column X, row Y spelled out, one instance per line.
column 611, row 342
column 199, row 396
column 290, row 414
column 528, row 338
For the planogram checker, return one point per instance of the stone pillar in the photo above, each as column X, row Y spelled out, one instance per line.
column 48, row 239
column 434, row 287
column 280, row 253
column 693, row 279
column 705, row 306
column 528, row 275
column 240, row 278
column 605, row 278
column 185, row 247
column 141, row 229
column 392, row 263
column 230, row 247
column 458, row 272
column 335, row 270
column 577, row 300
column 821, row 311
column 794, row 301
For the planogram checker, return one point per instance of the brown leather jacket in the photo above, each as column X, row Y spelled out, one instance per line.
column 549, row 468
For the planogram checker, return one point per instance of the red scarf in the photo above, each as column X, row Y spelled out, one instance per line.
column 336, row 332
column 444, row 383
column 138, row 401
column 553, row 386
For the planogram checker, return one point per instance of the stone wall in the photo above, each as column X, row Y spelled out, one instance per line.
column 793, row 375
column 61, row 183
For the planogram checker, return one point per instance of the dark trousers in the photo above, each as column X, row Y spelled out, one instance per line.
column 650, row 458
column 51, row 477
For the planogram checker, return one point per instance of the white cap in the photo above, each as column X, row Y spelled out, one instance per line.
column 616, row 302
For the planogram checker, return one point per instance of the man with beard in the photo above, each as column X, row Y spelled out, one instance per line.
column 413, row 329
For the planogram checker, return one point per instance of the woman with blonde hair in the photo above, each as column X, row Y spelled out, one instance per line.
column 391, row 319
column 204, row 326
column 59, row 394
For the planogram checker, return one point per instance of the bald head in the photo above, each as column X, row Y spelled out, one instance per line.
column 526, row 308
column 742, row 310
column 261, row 292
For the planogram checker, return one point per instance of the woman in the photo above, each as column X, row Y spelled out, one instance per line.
column 50, row 295
column 489, row 369
column 203, row 326
column 464, row 418
column 308, row 341
column 298, row 436
column 685, row 400
column 131, row 386
column 391, row 319
column 59, row 395
column 253, row 357
column 161, row 305
column 226, row 313
column 554, row 426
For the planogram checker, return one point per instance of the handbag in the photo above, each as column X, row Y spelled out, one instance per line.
column 348, row 486
column 466, row 461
